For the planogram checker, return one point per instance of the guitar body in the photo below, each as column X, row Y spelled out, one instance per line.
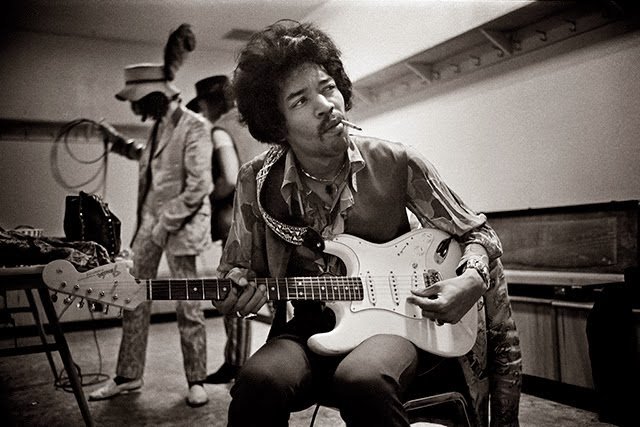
column 389, row 271
column 370, row 300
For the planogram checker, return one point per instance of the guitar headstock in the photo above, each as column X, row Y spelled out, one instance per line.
column 109, row 284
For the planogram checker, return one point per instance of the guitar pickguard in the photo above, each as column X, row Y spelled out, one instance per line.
column 389, row 272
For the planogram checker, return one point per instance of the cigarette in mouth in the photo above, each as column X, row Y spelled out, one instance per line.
column 351, row 125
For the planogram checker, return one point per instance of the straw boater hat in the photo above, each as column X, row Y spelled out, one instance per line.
column 143, row 79
column 214, row 85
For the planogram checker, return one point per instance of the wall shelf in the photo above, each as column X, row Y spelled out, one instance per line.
column 531, row 28
column 47, row 131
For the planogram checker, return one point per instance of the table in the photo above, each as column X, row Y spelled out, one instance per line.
column 29, row 279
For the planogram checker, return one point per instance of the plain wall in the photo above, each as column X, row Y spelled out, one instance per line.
column 558, row 131
column 60, row 78
column 57, row 79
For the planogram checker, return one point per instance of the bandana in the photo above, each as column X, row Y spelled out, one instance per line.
column 293, row 234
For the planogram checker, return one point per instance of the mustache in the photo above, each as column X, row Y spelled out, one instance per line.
column 329, row 122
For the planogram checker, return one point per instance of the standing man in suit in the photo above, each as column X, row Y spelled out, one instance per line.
column 173, row 214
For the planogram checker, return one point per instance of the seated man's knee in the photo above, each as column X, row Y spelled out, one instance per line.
column 361, row 382
column 256, row 379
column 266, row 383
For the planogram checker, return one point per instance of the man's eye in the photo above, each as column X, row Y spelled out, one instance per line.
column 298, row 102
column 329, row 88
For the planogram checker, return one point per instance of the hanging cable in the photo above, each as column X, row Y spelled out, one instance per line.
column 93, row 378
column 63, row 138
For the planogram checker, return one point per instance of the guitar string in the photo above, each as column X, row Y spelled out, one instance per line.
column 290, row 289
column 305, row 282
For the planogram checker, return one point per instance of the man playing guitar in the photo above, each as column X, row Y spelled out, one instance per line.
column 319, row 182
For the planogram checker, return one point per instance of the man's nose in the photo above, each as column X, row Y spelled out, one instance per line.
column 323, row 106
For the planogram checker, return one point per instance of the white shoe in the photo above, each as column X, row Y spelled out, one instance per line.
column 197, row 396
column 112, row 389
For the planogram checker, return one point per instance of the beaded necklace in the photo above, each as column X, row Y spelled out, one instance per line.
column 327, row 182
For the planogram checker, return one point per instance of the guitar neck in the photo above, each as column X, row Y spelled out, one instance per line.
column 324, row 288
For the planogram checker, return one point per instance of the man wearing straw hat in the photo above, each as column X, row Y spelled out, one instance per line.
column 173, row 215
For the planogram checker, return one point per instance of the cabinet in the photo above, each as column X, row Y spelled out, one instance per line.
column 573, row 347
column 553, row 339
column 536, row 323
column 557, row 260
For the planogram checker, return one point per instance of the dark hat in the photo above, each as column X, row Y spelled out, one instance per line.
column 142, row 79
column 214, row 85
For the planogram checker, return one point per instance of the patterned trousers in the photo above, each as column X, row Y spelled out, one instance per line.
column 135, row 324
column 238, row 330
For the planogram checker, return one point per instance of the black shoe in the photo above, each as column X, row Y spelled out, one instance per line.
column 225, row 374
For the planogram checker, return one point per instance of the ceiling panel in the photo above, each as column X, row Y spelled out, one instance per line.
column 151, row 21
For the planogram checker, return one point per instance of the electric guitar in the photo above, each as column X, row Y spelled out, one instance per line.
column 369, row 300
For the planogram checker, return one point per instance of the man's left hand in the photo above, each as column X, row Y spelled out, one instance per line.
column 245, row 297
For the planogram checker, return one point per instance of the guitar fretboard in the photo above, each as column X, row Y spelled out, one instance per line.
column 325, row 288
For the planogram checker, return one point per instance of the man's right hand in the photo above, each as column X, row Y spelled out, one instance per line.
column 110, row 134
column 119, row 144
column 245, row 298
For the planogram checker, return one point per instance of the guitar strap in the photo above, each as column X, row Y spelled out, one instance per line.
column 290, row 227
column 291, row 231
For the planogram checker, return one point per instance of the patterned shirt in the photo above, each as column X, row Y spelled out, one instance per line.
column 493, row 366
column 429, row 199
column 432, row 202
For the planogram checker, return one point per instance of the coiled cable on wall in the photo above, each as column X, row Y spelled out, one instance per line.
column 63, row 138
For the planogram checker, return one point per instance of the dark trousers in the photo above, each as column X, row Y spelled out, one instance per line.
column 367, row 385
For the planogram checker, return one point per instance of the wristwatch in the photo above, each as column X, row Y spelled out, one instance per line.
column 480, row 266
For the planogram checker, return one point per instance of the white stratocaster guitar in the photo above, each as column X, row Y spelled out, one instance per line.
column 370, row 300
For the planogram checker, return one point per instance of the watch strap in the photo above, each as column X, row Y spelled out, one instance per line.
column 478, row 264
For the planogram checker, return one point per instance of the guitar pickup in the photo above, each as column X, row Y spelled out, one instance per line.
column 393, row 285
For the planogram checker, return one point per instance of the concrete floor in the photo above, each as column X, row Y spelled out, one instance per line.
column 29, row 397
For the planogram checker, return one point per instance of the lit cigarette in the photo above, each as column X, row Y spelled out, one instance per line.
column 351, row 125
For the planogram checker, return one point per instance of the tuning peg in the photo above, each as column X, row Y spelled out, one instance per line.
column 54, row 297
column 106, row 309
column 68, row 300
column 120, row 314
column 80, row 304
